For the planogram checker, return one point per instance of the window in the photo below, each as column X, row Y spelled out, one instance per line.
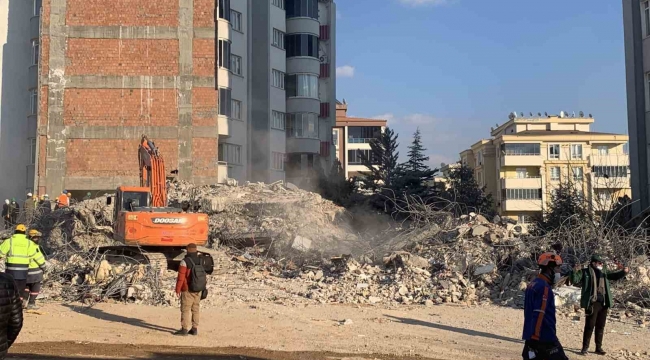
column 224, row 9
column 610, row 171
column 278, row 79
column 32, row 151
column 33, row 102
column 523, row 194
column 355, row 157
column 302, row 125
column 235, row 20
column 604, row 196
column 302, row 8
column 524, row 219
column 602, row 149
column 554, row 151
column 335, row 137
column 576, row 151
column 363, row 134
column 480, row 157
column 522, row 173
column 229, row 153
column 277, row 161
column 555, row 173
column 279, row 3
column 37, row 7
column 35, row 51
column 577, row 173
column 302, row 85
column 235, row 64
column 479, row 176
column 236, row 109
column 278, row 39
column 225, row 102
column 224, row 54
column 277, row 122
column 301, row 45
column 520, row 149
column 646, row 18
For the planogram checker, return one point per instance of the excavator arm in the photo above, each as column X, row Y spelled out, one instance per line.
column 152, row 172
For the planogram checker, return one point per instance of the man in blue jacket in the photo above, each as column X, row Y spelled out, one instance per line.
column 539, row 312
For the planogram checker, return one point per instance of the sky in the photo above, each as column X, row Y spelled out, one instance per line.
column 454, row 68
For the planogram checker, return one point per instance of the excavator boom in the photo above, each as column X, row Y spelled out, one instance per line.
column 152, row 172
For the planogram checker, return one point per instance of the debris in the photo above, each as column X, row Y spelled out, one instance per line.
column 479, row 230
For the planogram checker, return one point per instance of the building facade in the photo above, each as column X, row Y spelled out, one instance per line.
column 351, row 137
column 526, row 159
column 248, row 96
column 636, row 20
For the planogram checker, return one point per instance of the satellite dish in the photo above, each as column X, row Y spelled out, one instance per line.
column 539, row 114
column 590, row 116
column 522, row 114
column 561, row 114
column 491, row 129
column 512, row 116
column 545, row 114
column 531, row 114
column 581, row 114
column 573, row 114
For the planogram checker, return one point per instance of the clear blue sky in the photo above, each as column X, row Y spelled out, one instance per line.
column 456, row 67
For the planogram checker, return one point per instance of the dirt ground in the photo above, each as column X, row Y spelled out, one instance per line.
column 268, row 331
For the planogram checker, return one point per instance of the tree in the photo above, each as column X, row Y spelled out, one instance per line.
column 382, row 161
column 417, row 160
column 464, row 193
column 567, row 206
column 335, row 186
column 412, row 177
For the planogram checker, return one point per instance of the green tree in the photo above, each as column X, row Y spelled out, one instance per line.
column 382, row 162
column 413, row 177
column 464, row 193
column 567, row 207
column 335, row 186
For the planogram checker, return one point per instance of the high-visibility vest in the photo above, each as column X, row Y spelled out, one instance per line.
column 19, row 252
column 64, row 200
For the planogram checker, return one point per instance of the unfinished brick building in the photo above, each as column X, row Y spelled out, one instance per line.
column 111, row 71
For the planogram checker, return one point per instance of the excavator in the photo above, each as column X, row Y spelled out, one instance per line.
column 150, row 230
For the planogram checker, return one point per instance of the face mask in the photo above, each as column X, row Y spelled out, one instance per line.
column 599, row 267
column 557, row 278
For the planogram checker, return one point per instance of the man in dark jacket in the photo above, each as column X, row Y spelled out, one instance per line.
column 596, row 298
column 14, row 212
column 5, row 214
column 11, row 313
column 541, row 342
column 189, row 299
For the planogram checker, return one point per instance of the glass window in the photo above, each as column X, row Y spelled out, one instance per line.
column 235, row 20
column 602, row 149
column 522, row 173
column 355, row 157
column 33, row 102
column 277, row 122
column 610, row 171
column 646, row 18
column 335, row 137
column 554, row 151
column 523, row 194
column 35, row 51
column 302, row 8
column 278, row 39
column 224, row 54
column 277, row 161
column 363, row 134
column 229, row 153
column 520, row 149
column 225, row 102
column 236, row 109
column 302, row 125
column 279, row 3
column 576, row 151
column 302, row 85
column 235, row 64
column 224, row 9
column 278, row 79
column 523, row 219
column 555, row 173
column 32, row 151
column 37, row 7
column 301, row 45
column 577, row 173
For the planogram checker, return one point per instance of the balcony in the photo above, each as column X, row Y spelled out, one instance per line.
column 303, row 145
column 521, row 160
column 609, row 160
column 530, row 182
column 352, row 140
column 222, row 172
column 521, row 205
column 611, row 182
column 223, row 126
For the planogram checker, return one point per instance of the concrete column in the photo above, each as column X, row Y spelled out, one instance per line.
column 185, row 38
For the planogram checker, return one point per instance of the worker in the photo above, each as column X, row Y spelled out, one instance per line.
column 14, row 212
column 18, row 252
column 596, row 298
column 88, row 196
column 63, row 200
column 541, row 342
column 11, row 314
column 30, row 208
column 5, row 214
column 190, row 286
column 45, row 205
column 35, row 272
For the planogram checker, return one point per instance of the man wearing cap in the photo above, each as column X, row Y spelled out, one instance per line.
column 35, row 272
column 29, row 208
column 18, row 252
column 596, row 298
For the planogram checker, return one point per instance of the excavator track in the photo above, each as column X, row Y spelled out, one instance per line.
column 156, row 260
column 134, row 255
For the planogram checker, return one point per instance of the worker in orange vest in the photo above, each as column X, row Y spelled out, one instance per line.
column 64, row 200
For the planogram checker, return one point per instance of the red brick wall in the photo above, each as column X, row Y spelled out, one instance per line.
column 122, row 57
column 204, row 157
column 122, row 12
column 204, row 13
column 112, row 157
column 203, row 53
column 204, row 107
column 124, row 107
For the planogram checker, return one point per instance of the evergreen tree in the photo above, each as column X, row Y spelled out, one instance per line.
column 417, row 160
column 463, row 191
column 413, row 176
column 382, row 162
column 335, row 186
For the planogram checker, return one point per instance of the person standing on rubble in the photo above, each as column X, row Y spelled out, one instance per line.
column 35, row 272
column 14, row 212
column 541, row 342
column 18, row 252
column 596, row 298
column 88, row 196
column 190, row 286
column 45, row 205
column 11, row 313
column 30, row 208
column 63, row 200
column 5, row 214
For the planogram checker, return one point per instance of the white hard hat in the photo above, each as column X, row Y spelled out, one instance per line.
column 29, row 194
column 6, row 201
column 46, row 195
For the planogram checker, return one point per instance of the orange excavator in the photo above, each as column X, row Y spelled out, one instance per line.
column 150, row 230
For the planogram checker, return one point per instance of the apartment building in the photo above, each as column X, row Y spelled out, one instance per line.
column 351, row 137
column 262, row 109
column 526, row 159
column 636, row 24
